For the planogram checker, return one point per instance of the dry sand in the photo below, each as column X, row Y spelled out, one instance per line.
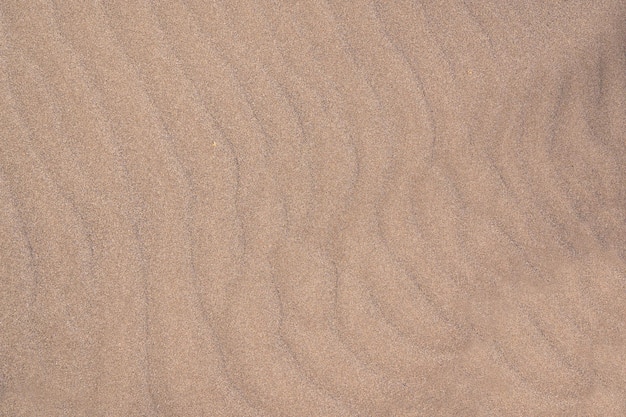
column 313, row 208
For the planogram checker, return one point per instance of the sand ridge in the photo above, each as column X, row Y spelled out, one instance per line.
column 314, row 208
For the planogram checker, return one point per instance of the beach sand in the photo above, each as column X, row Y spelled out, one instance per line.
column 312, row 208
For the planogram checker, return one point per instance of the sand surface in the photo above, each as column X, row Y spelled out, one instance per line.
column 312, row 208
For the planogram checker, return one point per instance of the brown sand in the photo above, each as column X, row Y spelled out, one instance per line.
column 313, row 208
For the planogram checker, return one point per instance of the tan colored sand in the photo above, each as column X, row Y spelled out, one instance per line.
column 313, row 208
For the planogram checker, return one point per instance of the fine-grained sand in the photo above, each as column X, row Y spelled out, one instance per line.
column 312, row 208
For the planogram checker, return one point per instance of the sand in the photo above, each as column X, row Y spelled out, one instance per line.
column 312, row 208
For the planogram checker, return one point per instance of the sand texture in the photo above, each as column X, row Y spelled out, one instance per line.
column 312, row 208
